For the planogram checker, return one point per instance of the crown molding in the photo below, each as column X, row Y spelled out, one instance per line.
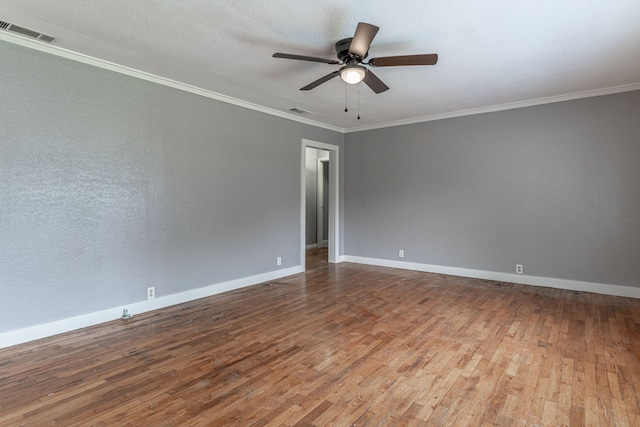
column 96, row 62
column 501, row 107
column 111, row 66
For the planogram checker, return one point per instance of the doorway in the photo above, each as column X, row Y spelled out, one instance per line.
column 325, row 179
column 322, row 201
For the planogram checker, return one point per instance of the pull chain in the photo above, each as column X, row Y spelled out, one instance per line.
column 345, row 97
column 358, row 102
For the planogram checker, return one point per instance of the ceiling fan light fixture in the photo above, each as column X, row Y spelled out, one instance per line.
column 352, row 52
column 353, row 74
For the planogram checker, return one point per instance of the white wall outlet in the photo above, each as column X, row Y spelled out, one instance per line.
column 401, row 253
column 279, row 260
column 519, row 269
column 151, row 292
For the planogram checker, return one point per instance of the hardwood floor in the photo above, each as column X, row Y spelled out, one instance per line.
column 316, row 258
column 342, row 345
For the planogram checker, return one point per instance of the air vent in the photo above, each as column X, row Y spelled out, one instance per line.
column 46, row 38
column 299, row 111
column 8, row 26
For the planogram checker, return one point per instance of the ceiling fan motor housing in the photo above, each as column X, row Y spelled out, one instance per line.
column 342, row 51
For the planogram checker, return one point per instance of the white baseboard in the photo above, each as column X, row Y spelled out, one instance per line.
column 32, row 333
column 312, row 246
column 572, row 285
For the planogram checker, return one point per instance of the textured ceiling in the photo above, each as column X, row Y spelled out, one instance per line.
column 492, row 52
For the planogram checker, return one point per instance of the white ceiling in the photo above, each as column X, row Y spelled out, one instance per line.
column 491, row 52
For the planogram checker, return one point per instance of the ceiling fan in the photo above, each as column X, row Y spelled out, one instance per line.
column 352, row 52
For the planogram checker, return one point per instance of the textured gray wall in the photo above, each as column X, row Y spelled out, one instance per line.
column 555, row 187
column 110, row 184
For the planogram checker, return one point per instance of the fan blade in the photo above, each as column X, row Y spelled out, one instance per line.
column 392, row 61
column 374, row 82
column 362, row 39
column 321, row 80
column 305, row 58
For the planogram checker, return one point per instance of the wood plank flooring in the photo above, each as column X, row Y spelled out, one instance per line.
column 342, row 345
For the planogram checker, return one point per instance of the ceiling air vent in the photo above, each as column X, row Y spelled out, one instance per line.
column 8, row 26
column 46, row 38
column 299, row 111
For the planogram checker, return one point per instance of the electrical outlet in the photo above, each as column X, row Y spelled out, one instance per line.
column 279, row 260
column 401, row 253
column 151, row 292
column 519, row 269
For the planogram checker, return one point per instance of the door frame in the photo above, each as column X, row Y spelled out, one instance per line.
column 334, row 196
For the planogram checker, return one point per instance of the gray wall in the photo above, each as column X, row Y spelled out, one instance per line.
column 555, row 187
column 110, row 184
